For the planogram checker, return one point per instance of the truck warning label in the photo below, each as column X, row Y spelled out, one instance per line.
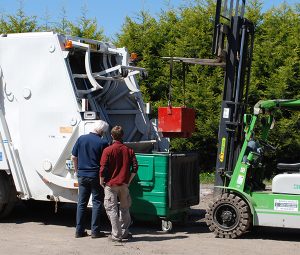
column 286, row 205
column 66, row 130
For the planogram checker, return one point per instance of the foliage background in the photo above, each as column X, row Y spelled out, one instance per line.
column 187, row 32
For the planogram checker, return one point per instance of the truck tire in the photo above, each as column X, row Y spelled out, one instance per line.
column 8, row 195
column 229, row 216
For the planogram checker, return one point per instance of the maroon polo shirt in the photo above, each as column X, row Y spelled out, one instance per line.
column 117, row 163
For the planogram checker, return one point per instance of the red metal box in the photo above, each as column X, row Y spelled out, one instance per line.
column 176, row 121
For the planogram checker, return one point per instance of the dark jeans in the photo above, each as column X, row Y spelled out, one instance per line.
column 88, row 186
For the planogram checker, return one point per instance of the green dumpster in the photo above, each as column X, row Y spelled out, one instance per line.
column 165, row 187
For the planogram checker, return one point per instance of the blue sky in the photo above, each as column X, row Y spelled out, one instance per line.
column 110, row 14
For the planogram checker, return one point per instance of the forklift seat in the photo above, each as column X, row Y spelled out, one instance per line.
column 289, row 167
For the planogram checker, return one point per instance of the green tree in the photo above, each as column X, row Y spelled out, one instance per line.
column 18, row 23
column 276, row 75
column 276, row 55
column 187, row 32
column 47, row 24
column 254, row 12
column 63, row 25
column 86, row 27
column 184, row 32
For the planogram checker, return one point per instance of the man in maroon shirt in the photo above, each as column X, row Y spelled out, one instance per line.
column 118, row 168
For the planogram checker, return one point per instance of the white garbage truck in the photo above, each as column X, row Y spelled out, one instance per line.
column 52, row 89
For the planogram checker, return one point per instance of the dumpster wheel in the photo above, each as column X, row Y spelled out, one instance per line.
column 229, row 216
column 166, row 226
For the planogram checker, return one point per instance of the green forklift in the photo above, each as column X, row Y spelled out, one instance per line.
column 241, row 199
column 244, row 201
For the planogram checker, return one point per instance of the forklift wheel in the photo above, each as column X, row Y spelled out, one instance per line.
column 229, row 216
column 166, row 226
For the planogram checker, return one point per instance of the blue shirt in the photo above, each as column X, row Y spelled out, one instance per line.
column 88, row 150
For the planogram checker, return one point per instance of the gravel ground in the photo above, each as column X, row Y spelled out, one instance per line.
column 39, row 231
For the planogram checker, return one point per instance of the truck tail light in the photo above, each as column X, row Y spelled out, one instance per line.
column 68, row 44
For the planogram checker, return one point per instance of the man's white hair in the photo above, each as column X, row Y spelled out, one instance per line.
column 100, row 127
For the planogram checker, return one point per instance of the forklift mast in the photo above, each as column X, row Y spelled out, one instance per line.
column 233, row 44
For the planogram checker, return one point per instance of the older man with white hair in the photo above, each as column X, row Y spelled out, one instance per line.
column 86, row 156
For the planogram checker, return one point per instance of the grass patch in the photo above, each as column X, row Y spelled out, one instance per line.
column 207, row 178
column 267, row 182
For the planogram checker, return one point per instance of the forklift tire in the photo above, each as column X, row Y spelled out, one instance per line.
column 8, row 195
column 229, row 216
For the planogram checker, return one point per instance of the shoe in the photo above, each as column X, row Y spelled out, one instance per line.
column 114, row 239
column 127, row 237
column 79, row 235
column 98, row 235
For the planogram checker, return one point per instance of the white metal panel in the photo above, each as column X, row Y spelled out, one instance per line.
column 277, row 220
column 38, row 102
column 3, row 157
column 286, row 183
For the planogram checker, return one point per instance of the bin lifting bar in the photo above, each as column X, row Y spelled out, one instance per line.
column 88, row 69
column 93, row 77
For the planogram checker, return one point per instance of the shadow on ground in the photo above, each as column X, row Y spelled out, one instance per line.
column 271, row 233
column 44, row 213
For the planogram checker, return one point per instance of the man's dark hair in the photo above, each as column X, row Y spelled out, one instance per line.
column 117, row 133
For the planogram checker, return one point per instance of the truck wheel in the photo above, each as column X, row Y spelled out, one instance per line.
column 8, row 195
column 7, row 209
column 166, row 226
column 229, row 216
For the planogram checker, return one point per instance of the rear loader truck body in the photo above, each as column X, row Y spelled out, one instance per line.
column 52, row 89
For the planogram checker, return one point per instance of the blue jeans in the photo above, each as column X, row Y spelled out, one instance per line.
column 88, row 186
